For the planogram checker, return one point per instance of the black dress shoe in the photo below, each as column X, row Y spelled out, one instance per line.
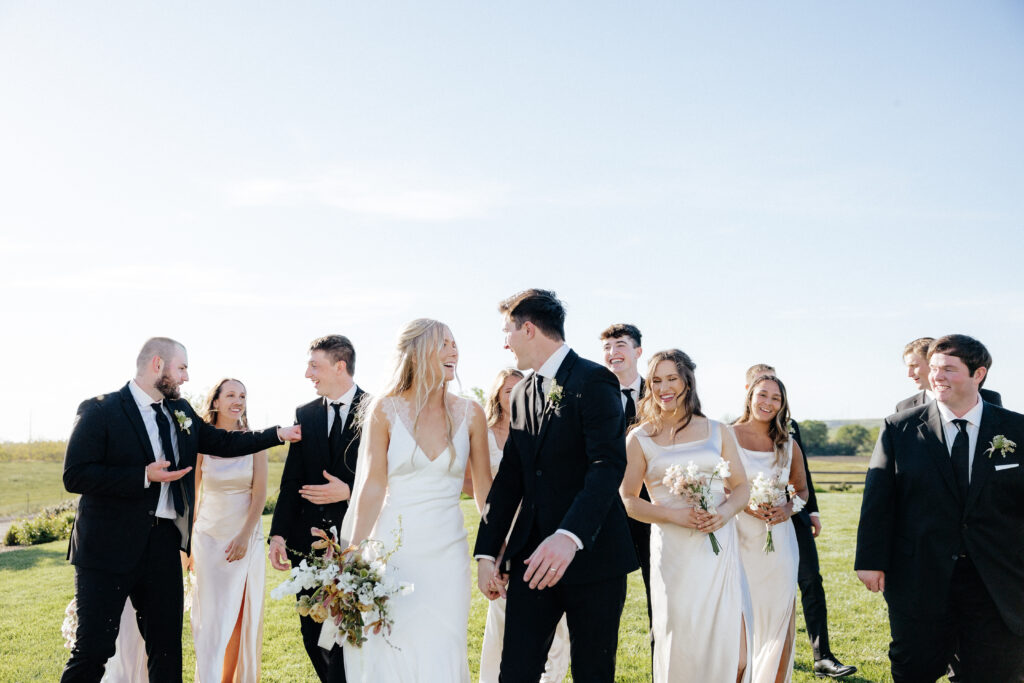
column 831, row 667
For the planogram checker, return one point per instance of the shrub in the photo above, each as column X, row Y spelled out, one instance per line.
column 269, row 505
column 44, row 527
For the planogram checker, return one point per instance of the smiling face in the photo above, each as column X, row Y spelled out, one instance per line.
column 329, row 378
column 517, row 340
column 230, row 402
column 173, row 373
column 505, row 393
column 620, row 356
column 917, row 370
column 667, row 386
column 448, row 356
column 952, row 383
column 765, row 401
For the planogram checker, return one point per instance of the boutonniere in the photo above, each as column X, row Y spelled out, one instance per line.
column 1002, row 444
column 555, row 395
column 790, row 428
column 184, row 421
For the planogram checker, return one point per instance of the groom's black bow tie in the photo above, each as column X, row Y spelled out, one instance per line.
column 163, row 425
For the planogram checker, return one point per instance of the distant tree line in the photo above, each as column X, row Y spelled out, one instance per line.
column 850, row 439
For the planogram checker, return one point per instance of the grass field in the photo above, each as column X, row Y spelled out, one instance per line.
column 36, row 585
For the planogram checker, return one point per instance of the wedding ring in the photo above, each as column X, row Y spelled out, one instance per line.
column 552, row 569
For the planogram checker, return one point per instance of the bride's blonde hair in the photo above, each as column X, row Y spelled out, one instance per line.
column 418, row 370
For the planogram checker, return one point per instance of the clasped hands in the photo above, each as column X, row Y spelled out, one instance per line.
column 700, row 520
column 544, row 567
column 773, row 515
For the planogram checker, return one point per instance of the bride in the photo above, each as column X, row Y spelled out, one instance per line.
column 417, row 439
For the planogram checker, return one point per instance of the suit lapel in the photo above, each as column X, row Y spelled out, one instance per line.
column 131, row 409
column 982, row 468
column 935, row 441
column 643, row 389
column 349, row 432
column 561, row 376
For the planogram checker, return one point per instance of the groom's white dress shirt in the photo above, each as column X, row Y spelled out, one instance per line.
column 635, row 388
column 346, row 405
column 164, row 506
column 973, row 417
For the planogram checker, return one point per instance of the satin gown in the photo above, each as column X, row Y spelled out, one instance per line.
column 771, row 576
column 223, row 588
column 700, row 605
column 427, row 643
column 557, row 665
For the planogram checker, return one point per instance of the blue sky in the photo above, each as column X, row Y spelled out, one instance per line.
column 807, row 184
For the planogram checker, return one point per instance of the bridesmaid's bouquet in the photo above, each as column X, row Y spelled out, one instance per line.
column 352, row 589
column 766, row 493
column 696, row 488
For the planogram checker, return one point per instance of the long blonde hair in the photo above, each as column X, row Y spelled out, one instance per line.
column 493, row 408
column 778, row 429
column 418, row 370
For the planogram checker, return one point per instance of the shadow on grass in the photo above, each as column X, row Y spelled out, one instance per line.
column 32, row 557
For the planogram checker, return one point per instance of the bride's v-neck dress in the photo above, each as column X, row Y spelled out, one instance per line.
column 428, row 640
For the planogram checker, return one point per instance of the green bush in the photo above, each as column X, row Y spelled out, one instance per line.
column 269, row 505
column 51, row 524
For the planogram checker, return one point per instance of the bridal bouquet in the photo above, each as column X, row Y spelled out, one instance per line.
column 696, row 488
column 352, row 589
column 766, row 493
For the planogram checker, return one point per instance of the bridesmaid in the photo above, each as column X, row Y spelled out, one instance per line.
column 227, row 550
column 699, row 601
column 499, row 418
column 766, row 447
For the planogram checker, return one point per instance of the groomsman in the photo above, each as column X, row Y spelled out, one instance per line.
column 570, row 549
column 318, row 475
column 915, row 357
column 807, row 524
column 941, row 529
column 622, row 351
column 130, row 455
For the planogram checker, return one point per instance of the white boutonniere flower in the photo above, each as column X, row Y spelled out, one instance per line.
column 184, row 421
column 555, row 395
column 1002, row 444
column 790, row 428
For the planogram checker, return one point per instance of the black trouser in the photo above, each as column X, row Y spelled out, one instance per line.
column 328, row 664
column 812, row 591
column 989, row 652
column 592, row 611
column 154, row 587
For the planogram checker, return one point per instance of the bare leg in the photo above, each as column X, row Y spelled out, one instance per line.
column 227, row 674
column 742, row 667
column 783, row 674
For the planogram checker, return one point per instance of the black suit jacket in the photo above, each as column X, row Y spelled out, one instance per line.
column 911, row 526
column 294, row 516
column 804, row 516
column 106, row 458
column 566, row 476
column 921, row 398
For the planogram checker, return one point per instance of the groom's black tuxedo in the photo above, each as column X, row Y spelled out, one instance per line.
column 954, row 569
column 119, row 546
column 563, row 472
column 294, row 516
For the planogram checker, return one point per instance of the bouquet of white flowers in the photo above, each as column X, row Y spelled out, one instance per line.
column 766, row 493
column 352, row 589
column 696, row 488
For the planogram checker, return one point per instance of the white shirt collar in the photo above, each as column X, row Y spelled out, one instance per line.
column 973, row 416
column 345, row 398
column 142, row 399
column 554, row 361
column 635, row 386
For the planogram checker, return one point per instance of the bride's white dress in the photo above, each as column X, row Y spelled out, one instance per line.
column 771, row 576
column 428, row 640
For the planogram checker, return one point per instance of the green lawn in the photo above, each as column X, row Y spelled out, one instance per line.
column 36, row 585
column 26, row 486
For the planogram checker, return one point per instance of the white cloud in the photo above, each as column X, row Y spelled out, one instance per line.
column 392, row 193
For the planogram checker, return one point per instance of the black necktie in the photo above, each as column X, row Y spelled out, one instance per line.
column 630, row 406
column 959, row 458
column 334, row 437
column 538, row 401
column 163, row 426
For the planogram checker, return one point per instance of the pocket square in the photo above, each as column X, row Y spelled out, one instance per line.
column 1006, row 467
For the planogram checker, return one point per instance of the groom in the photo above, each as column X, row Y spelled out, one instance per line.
column 570, row 549
column 130, row 455
column 941, row 529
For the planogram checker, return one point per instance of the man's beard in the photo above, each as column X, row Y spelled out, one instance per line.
column 168, row 388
